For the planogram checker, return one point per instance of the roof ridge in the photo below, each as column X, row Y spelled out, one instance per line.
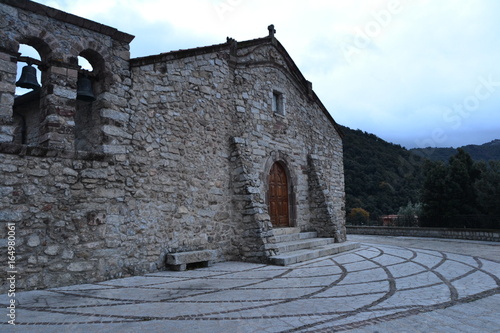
column 79, row 21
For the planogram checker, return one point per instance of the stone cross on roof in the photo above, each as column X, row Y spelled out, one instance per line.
column 271, row 29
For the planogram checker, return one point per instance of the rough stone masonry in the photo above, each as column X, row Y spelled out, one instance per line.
column 173, row 155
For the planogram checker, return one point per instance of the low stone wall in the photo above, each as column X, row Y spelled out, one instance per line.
column 469, row 234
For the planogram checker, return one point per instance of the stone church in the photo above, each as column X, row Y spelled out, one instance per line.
column 183, row 158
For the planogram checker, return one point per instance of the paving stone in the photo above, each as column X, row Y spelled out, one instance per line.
column 405, row 269
column 357, row 289
column 419, row 280
column 432, row 290
column 427, row 259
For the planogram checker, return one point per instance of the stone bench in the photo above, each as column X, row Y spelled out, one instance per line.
column 180, row 261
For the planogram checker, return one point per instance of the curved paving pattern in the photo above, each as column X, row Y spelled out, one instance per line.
column 370, row 285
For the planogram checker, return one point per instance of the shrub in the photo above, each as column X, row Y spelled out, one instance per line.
column 358, row 216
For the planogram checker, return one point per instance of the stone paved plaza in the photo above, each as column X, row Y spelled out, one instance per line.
column 389, row 284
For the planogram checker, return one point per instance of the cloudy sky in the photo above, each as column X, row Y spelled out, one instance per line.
column 414, row 72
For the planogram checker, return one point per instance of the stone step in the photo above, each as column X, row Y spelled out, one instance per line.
column 295, row 236
column 303, row 244
column 285, row 231
column 297, row 256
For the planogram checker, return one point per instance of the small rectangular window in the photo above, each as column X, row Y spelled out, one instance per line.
column 278, row 103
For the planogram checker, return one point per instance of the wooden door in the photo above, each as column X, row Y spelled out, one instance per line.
column 278, row 196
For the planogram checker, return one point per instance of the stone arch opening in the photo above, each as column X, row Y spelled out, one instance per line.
column 88, row 123
column 41, row 44
column 28, row 56
column 95, row 60
column 30, row 78
column 92, row 65
column 38, row 52
column 84, row 64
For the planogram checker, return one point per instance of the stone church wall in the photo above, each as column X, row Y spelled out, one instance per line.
column 299, row 133
column 181, row 124
column 173, row 155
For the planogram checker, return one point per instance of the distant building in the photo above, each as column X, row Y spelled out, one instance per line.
column 389, row 220
column 399, row 220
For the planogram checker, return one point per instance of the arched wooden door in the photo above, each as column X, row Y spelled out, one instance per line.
column 278, row 196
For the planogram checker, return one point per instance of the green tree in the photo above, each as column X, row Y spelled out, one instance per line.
column 434, row 202
column 449, row 190
column 358, row 216
column 488, row 188
column 462, row 175
column 408, row 215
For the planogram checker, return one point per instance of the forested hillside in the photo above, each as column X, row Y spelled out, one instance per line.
column 380, row 177
column 461, row 193
column 486, row 152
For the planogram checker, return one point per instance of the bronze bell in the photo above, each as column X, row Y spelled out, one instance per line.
column 28, row 78
column 84, row 89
